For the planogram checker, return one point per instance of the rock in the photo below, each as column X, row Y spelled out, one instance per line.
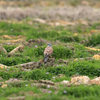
column 47, row 82
column 44, row 85
column 26, row 65
column 96, row 81
column 93, row 49
column 89, row 58
column 14, row 42
column 32, row 40
column 61, row 75
column 56, row 65
column 97, row 57
column 29, row 65
column 13, row 80
column 19, row 48
column 16, row 98
column 3, row 50
column 94, row 31
column 4, row 86
column 64, row 82
column 3, row 66
column 23, row 69
column 50, row 62
column 6, row 37
column 62, row 61
column 38, row 41
column 37, row 65
column 39, row 20
column 78, row 80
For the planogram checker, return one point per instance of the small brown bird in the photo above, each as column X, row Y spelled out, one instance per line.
column 48, row 52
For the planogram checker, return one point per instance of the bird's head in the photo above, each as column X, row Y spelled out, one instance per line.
column 49, row 44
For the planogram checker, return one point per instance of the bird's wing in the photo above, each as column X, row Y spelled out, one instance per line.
column 48, row 51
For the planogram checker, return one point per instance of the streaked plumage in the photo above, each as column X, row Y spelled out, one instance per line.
column 48, row 52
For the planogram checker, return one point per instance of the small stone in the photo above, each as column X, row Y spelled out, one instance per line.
column 6, row 37
column 96, row 81
column 97, row 57
column 78, row 80
column 4, row 86
column 64, row 82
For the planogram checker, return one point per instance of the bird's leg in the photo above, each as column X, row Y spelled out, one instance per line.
column 50, row 56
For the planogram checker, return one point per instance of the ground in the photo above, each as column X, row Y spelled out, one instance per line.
column 72, row 73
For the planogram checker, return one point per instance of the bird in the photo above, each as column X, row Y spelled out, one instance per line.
column 48, row 52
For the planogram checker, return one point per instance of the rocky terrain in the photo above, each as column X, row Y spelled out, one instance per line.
column 73, row 29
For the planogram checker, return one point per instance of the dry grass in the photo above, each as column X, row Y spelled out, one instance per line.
column 59, row 13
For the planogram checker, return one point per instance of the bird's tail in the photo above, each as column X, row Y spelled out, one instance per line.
column 46, row 58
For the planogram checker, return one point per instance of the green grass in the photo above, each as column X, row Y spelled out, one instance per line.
column 5, row 92
column 9, row 48
column 67, row 38
column 89, row 68
column 81, row 91
column 93, row 40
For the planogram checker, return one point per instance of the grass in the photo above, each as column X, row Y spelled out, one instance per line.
column 80, row 91
column 5, row 92
column 61, row 50
column 89, row 68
